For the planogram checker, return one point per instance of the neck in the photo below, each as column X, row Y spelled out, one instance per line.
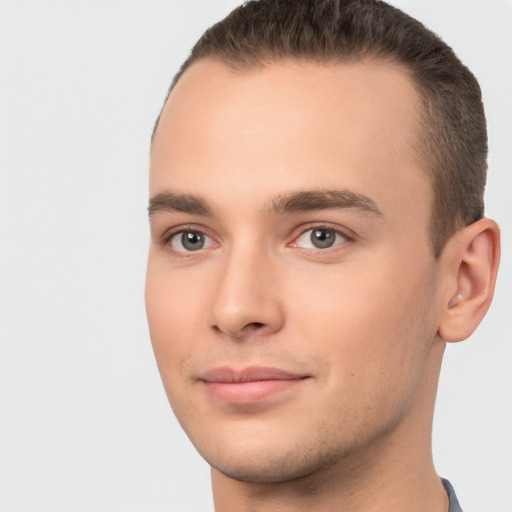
column 394, row 472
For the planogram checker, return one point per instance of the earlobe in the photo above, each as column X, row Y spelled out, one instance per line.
column 472, row 258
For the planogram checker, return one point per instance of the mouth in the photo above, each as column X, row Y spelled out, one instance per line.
column 249, row 385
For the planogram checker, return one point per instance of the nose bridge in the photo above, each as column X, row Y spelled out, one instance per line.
column 246, row 296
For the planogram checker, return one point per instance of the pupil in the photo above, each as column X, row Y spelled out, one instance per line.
column 192, row 241
column 322, row 238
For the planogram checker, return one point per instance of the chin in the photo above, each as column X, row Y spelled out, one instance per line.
column 272, row 462
column 271, row 470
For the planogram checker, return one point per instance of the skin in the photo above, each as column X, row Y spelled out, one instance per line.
column 361, row 322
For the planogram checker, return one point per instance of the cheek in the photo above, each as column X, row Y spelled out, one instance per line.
column 371, row 323
column 172, row 311
column 170, row 316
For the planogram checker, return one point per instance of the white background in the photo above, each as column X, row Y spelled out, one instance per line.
column 84, row 422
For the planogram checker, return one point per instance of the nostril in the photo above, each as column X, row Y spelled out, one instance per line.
column 246, row 329
column 256, row 325
column 252, row 327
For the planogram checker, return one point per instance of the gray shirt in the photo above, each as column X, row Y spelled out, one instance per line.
column 454, row 503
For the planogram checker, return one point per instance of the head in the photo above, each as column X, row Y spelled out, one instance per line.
column 316, row 199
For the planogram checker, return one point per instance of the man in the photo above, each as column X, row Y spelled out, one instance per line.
column 317, row 177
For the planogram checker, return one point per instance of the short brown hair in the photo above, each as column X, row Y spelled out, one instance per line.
column 453, row 137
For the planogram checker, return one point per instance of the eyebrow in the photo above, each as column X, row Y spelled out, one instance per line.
column 174, row 202
column 302, row 201
column 314, row 200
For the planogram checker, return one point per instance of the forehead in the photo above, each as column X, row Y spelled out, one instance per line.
column 374, row 88
column 290, row 125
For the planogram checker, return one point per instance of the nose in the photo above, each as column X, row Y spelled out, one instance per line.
column 246, row 300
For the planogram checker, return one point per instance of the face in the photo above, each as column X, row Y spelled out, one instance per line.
column 291, row 287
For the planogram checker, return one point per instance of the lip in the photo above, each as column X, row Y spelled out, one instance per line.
column 249, row 385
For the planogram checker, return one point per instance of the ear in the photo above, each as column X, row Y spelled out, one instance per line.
column 470, row 265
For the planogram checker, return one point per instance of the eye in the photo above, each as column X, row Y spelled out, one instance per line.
column 189, row 241
column 320, row 238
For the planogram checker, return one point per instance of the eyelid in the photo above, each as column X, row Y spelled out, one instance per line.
column 342, row 231
column 167, row 237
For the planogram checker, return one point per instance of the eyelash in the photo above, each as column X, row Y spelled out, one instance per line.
column 324, row 227
column 168, row 237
